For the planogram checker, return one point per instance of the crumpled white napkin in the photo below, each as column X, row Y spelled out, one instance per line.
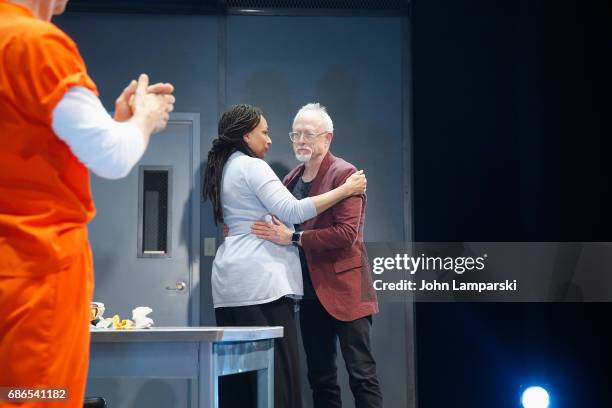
column 139, row 316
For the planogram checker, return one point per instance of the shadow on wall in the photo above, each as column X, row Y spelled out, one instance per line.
column 269, row 90
column 338, row 91
column 368, row 146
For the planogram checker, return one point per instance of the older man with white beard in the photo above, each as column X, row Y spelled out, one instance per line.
column 339, row 300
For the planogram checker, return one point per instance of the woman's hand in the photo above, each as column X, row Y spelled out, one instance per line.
column 276, row 231
column 356, row 184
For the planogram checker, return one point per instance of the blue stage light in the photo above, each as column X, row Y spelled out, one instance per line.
column 535, row 397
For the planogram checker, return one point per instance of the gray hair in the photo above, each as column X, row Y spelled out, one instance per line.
column 328, row 124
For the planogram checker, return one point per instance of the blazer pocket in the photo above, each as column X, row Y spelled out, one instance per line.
column 346, row 264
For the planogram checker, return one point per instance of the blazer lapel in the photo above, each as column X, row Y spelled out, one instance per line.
column 293, row 177
column 317, row 183
column 318, row 186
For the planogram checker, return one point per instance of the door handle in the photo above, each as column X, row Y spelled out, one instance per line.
column 180, row 285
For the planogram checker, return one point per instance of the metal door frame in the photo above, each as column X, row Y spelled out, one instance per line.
column 192, row 119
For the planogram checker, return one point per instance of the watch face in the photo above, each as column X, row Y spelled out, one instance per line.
column 295, row 237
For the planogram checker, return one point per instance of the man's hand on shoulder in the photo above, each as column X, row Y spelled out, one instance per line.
column 276, row 231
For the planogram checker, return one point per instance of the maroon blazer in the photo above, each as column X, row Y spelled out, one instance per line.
column 333, row 244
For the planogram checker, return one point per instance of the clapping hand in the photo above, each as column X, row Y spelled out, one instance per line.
column 124, row 104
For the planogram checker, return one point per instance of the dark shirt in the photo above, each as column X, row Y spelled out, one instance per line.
column 301, row 190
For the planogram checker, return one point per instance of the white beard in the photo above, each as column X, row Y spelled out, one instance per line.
column 303, row 158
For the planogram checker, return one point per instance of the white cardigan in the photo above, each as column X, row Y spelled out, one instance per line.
column 248, row 270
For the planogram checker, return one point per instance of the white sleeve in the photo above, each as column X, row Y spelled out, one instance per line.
column 275, row 196
column 108, row 148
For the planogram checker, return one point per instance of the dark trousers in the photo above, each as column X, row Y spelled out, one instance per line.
column 239, row 391
column 319, row 333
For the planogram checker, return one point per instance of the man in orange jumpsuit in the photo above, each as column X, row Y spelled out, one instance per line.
column 52, row 129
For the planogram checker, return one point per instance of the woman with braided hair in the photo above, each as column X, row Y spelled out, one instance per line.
column 255, row 282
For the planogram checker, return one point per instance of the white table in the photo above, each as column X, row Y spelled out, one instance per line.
column 200, row 353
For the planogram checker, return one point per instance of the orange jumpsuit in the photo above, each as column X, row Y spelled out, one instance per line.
column 46, row 274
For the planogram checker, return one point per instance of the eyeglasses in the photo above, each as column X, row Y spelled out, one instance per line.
column 295, row 136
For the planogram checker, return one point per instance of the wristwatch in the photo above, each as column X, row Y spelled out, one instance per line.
column 295, row 238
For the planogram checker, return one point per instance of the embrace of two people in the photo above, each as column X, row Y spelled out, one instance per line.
column 312, row 252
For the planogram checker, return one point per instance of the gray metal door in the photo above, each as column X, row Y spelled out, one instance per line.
column 132, row 267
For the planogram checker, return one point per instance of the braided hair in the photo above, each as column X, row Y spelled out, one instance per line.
column 235, row 122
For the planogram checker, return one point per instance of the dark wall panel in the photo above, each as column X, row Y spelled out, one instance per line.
column 511, row 139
